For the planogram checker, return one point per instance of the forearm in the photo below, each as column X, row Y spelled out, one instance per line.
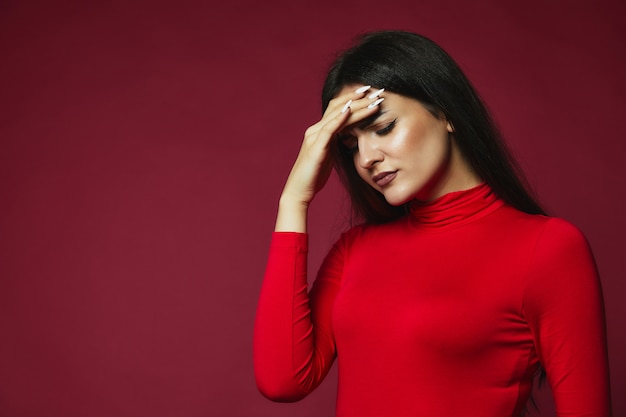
column 292, row 216
column 293, row 342
column 292, row 353
column 284, row 281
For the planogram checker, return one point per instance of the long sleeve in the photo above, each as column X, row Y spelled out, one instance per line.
column 293, row 342
column 563, row 305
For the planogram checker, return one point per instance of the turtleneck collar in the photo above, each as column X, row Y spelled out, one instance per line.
column 455, row 208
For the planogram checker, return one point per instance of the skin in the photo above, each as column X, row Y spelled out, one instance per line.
column 414, row 146
column 398, row 136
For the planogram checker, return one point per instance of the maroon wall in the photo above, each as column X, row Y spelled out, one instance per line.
column 143, row 146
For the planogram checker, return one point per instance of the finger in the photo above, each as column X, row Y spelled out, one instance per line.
column 352, row 112
column 362, row 110
column 335, row 118
column 359, row 103
column 339, row 102
column 358, row 99
column 331, row 126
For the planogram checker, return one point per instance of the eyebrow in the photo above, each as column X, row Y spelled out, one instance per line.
column 368, row 121
column 363, row 124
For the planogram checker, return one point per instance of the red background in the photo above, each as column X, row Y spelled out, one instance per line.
column 143, row 146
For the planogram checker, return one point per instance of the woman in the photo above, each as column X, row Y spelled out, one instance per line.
column 456, row 288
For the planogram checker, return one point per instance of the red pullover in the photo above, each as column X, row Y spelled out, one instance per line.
column 446, row 312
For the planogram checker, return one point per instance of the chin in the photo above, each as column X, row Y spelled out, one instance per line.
column 399, row 196
column 397, row 200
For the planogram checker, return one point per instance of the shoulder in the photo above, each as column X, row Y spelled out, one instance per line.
column 562, row 259
column 553, row 238
column 545, row 228
column 560, row 237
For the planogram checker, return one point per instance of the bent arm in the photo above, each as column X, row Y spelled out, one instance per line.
column 293, row 341
column 565, row 310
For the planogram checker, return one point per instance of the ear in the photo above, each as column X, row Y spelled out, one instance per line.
column 450, row 127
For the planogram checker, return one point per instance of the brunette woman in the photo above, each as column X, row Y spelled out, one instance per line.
column 455, row 288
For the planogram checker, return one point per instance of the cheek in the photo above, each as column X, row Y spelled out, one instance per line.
column 409, row 141
column 428, row 150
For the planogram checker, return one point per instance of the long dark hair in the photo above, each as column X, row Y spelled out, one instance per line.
column 414, row 66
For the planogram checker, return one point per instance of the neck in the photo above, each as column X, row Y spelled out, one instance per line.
column 456, row 175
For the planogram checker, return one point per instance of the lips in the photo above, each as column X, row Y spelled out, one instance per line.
column 384, row 178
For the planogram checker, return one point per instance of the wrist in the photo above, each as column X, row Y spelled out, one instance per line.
column 288, row 202
column 292, row 216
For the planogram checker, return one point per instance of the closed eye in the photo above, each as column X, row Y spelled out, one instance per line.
column 350, row 143
column 387, row 128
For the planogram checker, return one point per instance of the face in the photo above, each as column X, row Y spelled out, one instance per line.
column 405, row 152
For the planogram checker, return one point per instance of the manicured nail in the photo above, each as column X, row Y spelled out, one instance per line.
column 346, row 106
column 362, row 89
column 376, row 103
column 376, row 93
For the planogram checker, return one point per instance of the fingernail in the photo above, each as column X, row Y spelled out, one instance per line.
column 362, row 89
column 376, row 103
column 376, row 93
column 346, row 106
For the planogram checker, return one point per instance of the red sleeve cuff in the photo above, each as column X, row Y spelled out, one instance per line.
column 299, row 241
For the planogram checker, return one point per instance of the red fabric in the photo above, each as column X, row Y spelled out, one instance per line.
column 446, row 312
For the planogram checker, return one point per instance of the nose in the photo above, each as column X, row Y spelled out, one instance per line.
column 369, row 154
